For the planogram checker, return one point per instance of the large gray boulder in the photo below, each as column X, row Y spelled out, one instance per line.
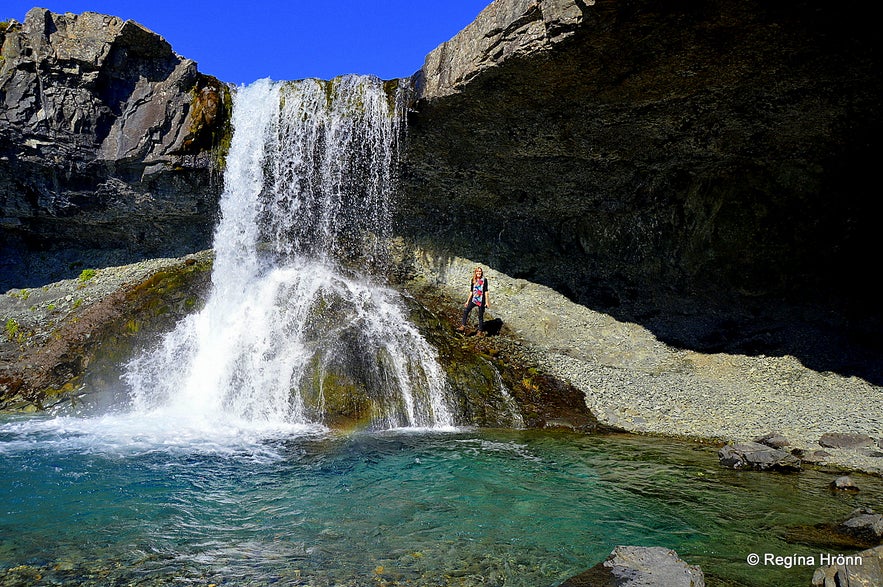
column 640, row 566
column 110, row 146
column 760, row 457
column 864, row 569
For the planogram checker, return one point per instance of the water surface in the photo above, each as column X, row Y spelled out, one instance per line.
column 119, row 500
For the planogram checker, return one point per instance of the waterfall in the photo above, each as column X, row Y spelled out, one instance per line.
column 294, row 330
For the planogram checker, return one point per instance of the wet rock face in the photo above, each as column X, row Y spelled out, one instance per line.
column 109, row 146
column 690, row 166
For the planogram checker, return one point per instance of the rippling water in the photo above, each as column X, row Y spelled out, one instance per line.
column 121, row 500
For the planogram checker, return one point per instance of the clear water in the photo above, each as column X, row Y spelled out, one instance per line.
column 120, row 500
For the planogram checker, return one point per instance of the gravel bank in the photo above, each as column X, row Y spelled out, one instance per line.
column 634, row 382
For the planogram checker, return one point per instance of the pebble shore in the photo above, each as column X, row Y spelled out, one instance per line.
column 636, row 383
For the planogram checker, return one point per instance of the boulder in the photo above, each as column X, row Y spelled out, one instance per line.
column 640, row 566
column 864, row 524
column 753, row 455
column 773, row 439
column 862, row 569
column 845, row 440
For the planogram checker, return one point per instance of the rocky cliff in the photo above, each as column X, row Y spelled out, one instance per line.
column 700, row 169
column 110, row 146
column 703, row 168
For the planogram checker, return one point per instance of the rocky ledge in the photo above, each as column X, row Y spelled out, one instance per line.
column 62, row 336
column 67, row 339
column 632, row 381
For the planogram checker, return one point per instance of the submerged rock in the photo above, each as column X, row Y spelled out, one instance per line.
column 864, row 524
column 844, row 483
column 862, row 529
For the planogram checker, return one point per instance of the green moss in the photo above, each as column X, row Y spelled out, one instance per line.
column 86, row 275
column 66, row 389
column 393, row 90
column 330, row 91
column 211, row 111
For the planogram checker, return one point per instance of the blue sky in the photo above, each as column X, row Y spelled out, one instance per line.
column 244, row 40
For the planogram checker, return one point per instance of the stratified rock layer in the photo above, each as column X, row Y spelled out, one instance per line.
column 109, row 146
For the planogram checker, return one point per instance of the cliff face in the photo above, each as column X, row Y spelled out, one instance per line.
column 109, row 146
column 704, row 168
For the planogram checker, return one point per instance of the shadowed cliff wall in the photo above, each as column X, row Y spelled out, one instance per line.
column 703, row 168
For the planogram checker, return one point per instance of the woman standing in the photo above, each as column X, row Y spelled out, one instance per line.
column 477, row 299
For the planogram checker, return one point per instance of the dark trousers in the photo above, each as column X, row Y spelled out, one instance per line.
column 468, row 309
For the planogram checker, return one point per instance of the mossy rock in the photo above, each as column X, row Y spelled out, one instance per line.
column 88, row 348
column 477, row 366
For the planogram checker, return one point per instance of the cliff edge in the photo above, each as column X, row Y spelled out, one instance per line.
column 110, row 147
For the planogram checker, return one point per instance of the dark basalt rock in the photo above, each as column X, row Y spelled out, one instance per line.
column 705, row 169
column 110, row 147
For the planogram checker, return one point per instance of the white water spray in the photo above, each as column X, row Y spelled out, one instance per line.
column 287, row 335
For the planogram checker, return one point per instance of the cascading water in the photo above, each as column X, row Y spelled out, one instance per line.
column 288, row 335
